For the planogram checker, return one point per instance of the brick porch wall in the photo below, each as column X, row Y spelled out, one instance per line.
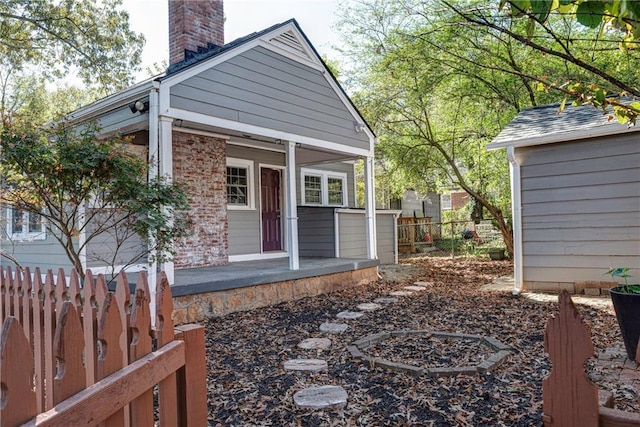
column 199, row 163
column 197, row 307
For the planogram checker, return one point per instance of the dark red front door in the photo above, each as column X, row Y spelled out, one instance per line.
column 271, row 224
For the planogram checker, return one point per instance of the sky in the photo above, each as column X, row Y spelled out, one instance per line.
column 316, row 18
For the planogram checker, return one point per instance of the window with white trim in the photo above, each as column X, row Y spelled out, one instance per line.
column 24, row 225
column 240, row 191
column 323, row 188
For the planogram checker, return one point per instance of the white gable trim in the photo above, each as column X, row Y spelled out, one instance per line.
column 180, row 114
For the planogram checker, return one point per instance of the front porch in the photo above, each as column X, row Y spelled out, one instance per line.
column 214, row 291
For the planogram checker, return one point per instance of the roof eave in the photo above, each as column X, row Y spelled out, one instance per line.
column 111, row 102
column 613, row 129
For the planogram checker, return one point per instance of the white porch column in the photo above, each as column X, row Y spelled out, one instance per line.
column 154, row 148
column 292, row 208
column 166, row 170
column 370, row 208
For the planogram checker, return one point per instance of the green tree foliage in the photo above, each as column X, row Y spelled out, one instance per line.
column 89, row 190
column 596, row 39
column 439, row 79
column 91, row 38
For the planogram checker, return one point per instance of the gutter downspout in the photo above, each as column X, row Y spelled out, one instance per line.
column 516, row 205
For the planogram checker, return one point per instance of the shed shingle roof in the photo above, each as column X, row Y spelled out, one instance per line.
column 543, row 125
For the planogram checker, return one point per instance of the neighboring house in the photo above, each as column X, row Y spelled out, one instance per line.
column 416, row 205
column 455, row 200
column 575, row 180
column 262, row 136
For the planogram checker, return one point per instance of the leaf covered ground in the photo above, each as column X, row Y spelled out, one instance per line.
column 248, row 386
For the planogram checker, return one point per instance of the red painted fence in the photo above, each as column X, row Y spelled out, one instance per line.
column 72, row 355
column 569, row 397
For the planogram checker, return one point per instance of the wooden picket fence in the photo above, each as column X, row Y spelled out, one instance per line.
column 72, row 355
column 413, row 230
column 569, row 397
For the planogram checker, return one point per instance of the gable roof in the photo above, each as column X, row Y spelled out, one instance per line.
column 543, row 125
column 287, row 41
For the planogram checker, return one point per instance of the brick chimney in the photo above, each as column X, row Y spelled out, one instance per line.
column 194, row 25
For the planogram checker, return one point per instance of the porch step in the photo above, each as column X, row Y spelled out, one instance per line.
column 349, row 315
column 315, row 343
column 309, row 365
column 322, row 397
column 333, row 328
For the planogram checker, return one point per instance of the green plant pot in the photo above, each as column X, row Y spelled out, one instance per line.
column 496, row 254
column 627, row 307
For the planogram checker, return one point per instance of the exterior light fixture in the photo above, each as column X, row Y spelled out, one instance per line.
column 139, row 106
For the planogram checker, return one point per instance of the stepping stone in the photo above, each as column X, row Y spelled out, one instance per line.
column 400, row 293
column 423, row 284
column 369, row 306
column 333, row 328
column 322, row 397
column 385, row 300
column 311, row 365
column 415, row 288
column 350, row 315
column 315, row 343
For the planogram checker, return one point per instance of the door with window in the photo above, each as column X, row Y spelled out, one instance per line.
column 271, row 209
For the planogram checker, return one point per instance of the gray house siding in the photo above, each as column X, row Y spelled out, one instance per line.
column 46, row 254
column 120, row 120
column 580, row 208
column 353, row 241
column 262, row 88
column 316, row 232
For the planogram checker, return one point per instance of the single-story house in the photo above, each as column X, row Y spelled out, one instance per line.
column 265, row 141
column 575, row 187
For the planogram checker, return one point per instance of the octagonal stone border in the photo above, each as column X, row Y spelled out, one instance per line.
column 500, row 352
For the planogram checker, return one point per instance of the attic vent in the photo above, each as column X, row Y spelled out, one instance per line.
column 290, row 42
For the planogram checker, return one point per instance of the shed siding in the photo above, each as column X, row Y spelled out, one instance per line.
column 316, row 235
column 580, row 208
column 262, row 88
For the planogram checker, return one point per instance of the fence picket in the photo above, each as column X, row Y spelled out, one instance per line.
column 68, row 346
column 38, row 338
column 569, row 397
column 73, row 291
column 3, row 281
column 89, row 323
column 123, row 295
column 142, row 407
column 27, row 306
column 8, row 307
column 17, row 296
column 16, row 366
column 167, row 389
column 49, row 327
column 110, row 329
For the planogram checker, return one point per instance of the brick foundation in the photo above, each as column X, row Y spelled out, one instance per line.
column 197, row 307
column 199, row 163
